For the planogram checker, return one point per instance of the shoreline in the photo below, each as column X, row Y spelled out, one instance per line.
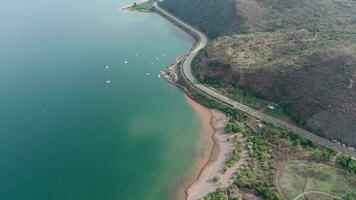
column 209, row 149
column 214, row 148
column 129, row 8
column 196, row 181
column 126, row 8
column 209, row 162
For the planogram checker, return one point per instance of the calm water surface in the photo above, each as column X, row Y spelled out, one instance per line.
column 67, row 134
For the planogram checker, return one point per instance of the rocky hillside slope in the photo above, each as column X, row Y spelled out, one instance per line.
column 213, row 17
column 300, row 54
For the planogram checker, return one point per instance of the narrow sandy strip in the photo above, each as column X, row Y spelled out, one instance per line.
column 207, row 149
column 205, row 184
column 215, row 150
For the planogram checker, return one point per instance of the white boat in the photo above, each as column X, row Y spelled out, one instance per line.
column 126, row 61
column 106, row 67
column 108, row 81
column 164, row 55
column 147, row 74
column 159, row 75
column 157, row 58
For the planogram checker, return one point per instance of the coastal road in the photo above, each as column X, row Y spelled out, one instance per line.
column 188, row 75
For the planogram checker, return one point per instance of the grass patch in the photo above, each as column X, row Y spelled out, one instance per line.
column 300, row 176
column 236, row 153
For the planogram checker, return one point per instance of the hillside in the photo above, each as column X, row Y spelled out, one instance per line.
column 299, row 54
column 215, row 18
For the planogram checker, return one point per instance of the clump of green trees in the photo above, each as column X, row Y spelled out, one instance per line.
column 347, row 163
column 210, row 102
column 323, row 154
column 258, row 174
column 233, row 127
column 296, row 139
column 236, row 154
column 216, row 179
column 144, row 7
column 218, row 195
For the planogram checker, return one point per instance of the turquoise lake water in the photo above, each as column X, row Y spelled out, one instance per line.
column 67, row 134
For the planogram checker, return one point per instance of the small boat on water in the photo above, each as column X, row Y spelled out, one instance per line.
column 126, row 61
column 159, row 75
column 147, row 74
column 106, row 67
column 108, row 81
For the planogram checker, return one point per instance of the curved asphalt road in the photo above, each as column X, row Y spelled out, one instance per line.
column 187, row 72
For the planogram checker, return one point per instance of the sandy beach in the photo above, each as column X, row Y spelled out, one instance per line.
column 206, row 148
column 214, row 150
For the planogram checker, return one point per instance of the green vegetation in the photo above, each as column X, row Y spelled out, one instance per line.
column 268, row 146
column 323, row 155
column 209, row 102
column 230, row 90
column 292, row 112
column 296, row 140
column 236, row 154
column 347, row 163
column 258, row 174
column 146, row 6
column 218, row 195
column 233, row 127
column 216, row 179
column 301, row 175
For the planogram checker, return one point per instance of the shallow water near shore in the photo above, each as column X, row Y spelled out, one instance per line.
column 72, row 129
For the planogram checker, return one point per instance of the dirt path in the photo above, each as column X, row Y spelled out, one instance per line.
column 227, row 177
column 316, row 192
